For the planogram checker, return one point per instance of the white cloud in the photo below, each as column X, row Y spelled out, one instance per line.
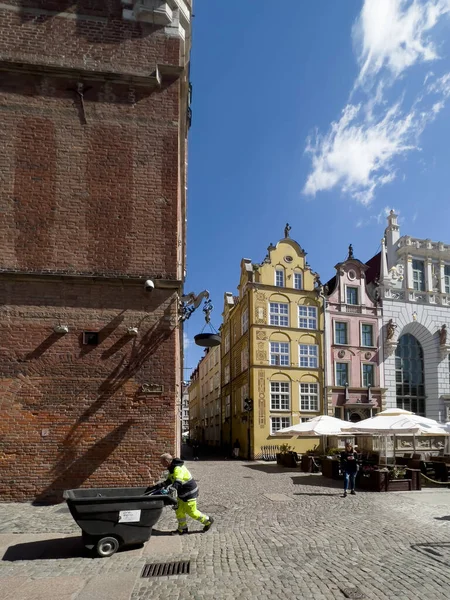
column 187, row 343
column 358, row 154
column 379, row 219
column 394, row 34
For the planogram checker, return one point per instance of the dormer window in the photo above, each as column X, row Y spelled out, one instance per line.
column 298, row 281
column 279, row 277
column 352, row 295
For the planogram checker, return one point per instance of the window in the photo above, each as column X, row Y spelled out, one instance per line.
column 341, row 374
column 211, row 384
column 216, row 380
column 447, row 279
column 309, row 397
column 367, row 335
column 277, row 423
column 280, row 395
column 409, row 375
column 279, row 353
column 244, row 320
column 418, row 269
column 308, row 356
column 352, row 295
column 227, row 343
column 227, row 406
column 227, row 373
column 298, row 281
column 307, row 317
column 279, row 314
column 244, row 359
column 279, row 277
column 368, row 375
column 340, row 333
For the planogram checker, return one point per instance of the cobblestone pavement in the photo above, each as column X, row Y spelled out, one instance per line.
column 278, row 534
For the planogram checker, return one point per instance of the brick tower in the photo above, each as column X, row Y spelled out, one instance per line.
column 94, row 113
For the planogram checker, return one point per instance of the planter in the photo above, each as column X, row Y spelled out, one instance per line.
column 399, row 485
column 286, row 460
column 207, row 340
column 378, row 481
column 330, row 468
column 306, row 464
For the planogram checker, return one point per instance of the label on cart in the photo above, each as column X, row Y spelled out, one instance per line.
column 129, row 516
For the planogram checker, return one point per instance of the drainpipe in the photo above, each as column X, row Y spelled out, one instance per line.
column 324, row 354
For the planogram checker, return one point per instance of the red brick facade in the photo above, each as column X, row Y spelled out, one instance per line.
column 92, row 203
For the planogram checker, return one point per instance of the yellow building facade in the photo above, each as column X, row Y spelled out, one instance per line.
column 204, row 399
column 272, row 366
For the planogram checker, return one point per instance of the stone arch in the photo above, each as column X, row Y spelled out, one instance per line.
column 279, row 336
column 278, row 297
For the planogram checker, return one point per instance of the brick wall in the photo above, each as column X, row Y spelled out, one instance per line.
column 87, row 190
column 72, row 414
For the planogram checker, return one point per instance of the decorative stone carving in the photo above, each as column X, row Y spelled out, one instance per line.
column 260, row 315
column 341, row 353
column 261, row 399
column 390, row 330
column 368, row 355
column 443, row 335
column 261, row 335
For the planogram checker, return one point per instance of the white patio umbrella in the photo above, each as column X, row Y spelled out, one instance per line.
column 396, row 421
column 322, row 425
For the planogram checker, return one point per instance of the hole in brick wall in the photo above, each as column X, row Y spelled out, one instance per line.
column 90, row 338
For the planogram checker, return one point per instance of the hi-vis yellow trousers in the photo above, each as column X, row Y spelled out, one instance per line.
column 189, row 508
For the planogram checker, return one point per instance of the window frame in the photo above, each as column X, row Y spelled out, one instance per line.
column 363, row 345
column 245, row 358
column 278, row 314
column 281, row 417
column 280, row 354
column 300, row 276
column 244, row 320
column 310, row 395
column 280, row 394
column 226, row 374
column 227, row 342
column 279, row 271
column 356, row 290
column 346, row 363
column 308, row 356
column 367, row 364
column 309, row 319
column 335, row 322
column 417, row 280
column 446, row 279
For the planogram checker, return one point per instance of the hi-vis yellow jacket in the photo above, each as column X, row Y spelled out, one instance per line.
column 181, row 479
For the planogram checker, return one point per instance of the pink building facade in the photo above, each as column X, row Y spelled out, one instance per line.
column 354, row 364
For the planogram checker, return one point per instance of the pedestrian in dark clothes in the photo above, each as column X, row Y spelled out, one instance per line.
column 349, row 466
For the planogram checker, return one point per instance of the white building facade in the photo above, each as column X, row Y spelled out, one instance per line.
column 414, row 287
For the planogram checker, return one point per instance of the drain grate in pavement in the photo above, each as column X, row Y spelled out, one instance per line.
column 352, row 593
column 167, row 569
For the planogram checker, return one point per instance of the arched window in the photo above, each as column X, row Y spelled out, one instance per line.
column 409, row 375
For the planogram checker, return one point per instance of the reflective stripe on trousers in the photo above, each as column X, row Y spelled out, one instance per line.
column 189, row 508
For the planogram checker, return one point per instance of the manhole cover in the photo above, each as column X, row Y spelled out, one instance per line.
column 166, row 569
column 352, row 593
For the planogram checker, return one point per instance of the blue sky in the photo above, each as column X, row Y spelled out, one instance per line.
column 323, row 114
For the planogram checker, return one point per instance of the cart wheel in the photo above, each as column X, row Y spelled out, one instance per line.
column 107, row 546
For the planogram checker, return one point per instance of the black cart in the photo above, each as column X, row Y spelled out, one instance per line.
column 112, row 518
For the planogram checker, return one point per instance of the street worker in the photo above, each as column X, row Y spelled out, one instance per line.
column 187, row 491
column 349, row 466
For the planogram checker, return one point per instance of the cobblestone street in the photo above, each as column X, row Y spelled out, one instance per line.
column 278, row 534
